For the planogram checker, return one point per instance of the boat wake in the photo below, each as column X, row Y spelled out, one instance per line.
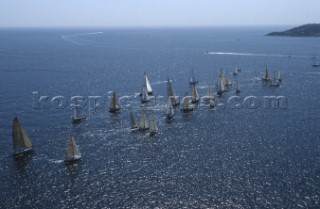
column 55, row 161
column 255, row 54
column 71, row 37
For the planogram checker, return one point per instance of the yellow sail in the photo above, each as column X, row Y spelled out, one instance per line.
column 20, row 138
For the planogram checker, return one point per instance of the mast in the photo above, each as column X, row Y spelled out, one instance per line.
column 20, row 138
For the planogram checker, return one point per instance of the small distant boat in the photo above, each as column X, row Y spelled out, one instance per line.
column 273, row 82
column 186, row 106
column 236, row 70
column 72, row 152
column 76, row 118
column 134, row 124
column 221, row 87
column 153, row 127
column 169, row 110
column 114, row 106
column 171, row 95
column 147, row 84
column 145, row 98
column 237, row 88
column 143, row 124
column 192, row 79
column 280, row 76
column 316, row 64
column 194, row 94
column 265, row 76
column 21, row 142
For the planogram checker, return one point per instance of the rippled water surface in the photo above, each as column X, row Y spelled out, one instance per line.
column 248, row 157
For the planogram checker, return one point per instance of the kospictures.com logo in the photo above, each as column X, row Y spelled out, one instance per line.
column 95, row 103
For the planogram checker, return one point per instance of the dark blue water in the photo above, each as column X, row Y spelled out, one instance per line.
column 262, row 157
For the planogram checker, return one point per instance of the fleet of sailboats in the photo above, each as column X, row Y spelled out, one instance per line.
column 72, row 151
column 21, row 142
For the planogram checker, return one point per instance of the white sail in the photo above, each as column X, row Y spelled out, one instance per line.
column 280, row 76
column 21, row 142
column 235, row 72
column 169, row 109
column 266, row 76
column 147, row 84
column 145, row 96
column 72, row 151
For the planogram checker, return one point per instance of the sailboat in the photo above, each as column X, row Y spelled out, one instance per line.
column 280, row 76
column 72, row 151
column 186, row 106
column 316, row 64
column 265, row 76
column 194, row 94
column 169, row 110
column 145, row 98
column 237, row 88
column 171, row 95
column 209, row 98
column 143, row 124
column 192, row 79
column 114, row 106
column 273, row 81
column 153, row 127
column 147, row 84
column 221, row 88
column 21, row 142
column 235, row 72
column 134, row 124
column 76, row 118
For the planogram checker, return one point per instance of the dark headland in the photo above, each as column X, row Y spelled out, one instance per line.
column 308, row 30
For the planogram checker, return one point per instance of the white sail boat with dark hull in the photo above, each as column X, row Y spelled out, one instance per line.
column 171, row 95
column 133, row 121
column 114, row 106
column 21, row 142
column 169, row 110
column 145, row 98
column 147, row 84
column 153, row 127
column 316, row 64
column 72, row 152
column 265, row 76
column 192, row 79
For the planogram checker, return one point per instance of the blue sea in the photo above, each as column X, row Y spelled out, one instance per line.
column 237, row 155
